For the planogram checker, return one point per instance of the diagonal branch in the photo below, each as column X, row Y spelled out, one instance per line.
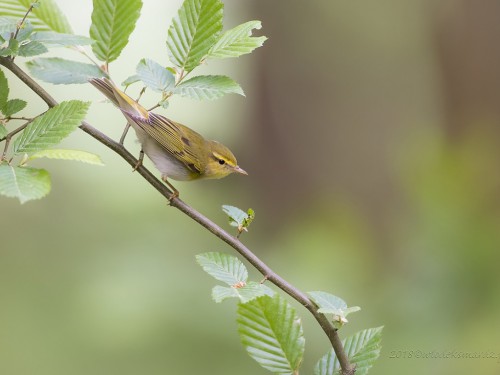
column 235, row 243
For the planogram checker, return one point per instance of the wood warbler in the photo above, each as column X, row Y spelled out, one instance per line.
column 177, row 151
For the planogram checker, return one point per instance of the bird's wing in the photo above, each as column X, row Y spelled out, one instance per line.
column 174, row 138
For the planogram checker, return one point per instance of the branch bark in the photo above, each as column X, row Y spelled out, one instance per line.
column 235, row 243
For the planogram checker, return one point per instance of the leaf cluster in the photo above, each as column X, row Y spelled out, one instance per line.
column 269, row 327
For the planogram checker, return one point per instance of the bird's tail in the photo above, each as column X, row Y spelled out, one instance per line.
column 119, row 98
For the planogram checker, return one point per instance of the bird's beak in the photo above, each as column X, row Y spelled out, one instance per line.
column 239, row 170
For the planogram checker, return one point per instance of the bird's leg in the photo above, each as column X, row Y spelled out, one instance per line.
column 124, row 134
column 175, row 192
column 139, row 161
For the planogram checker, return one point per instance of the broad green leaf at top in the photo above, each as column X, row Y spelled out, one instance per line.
column 208, row 87
column 23, row 183
column 193, row 32
column 112, row 23
column 237, row 41
column 46, row 17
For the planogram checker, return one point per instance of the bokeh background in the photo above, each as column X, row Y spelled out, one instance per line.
column 370, row 131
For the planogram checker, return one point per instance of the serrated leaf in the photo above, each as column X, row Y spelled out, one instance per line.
column 155, row 76
column 238, row 218
column 208, row 87
column 237, row 41
column 60, row 71
column 272, row 333
column 245, row 293
column 330, row 304
column 13, row 106
column 112, row 23
column 362, row 348
column 50, row 37
column 62, row 154
column 193, row 32
column 32, row 49
column 4, row 89
column 24, row 183
column 51, row 127
column 223, row 267
column 46, row 17
column 7, row 24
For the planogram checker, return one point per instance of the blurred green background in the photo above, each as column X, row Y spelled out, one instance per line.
column 370, row 131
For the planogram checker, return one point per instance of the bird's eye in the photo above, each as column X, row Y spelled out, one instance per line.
column 222, row 161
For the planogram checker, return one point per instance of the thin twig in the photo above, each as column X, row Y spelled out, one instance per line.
column 269, row 274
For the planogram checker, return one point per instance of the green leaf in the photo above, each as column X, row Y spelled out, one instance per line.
column 24, row 183
column 3, row 131
column 237, row 41
column 7, row 24
column 245, row 293
column 46, row 17
column 60, row 71
column 130, row 80
column 193, row 32
column 112, row 23
column 272, row 333
column 362, row 348
column 4, row 90
column 50, row 37
column 61, row 154
column 26, row 31
column 223, row 267
column 32, row 49
column 208, row 87
column 13, row 106
column 155, row 76
column 239, row 218
column 330, row 304
column 12, row 48
column 51, row 127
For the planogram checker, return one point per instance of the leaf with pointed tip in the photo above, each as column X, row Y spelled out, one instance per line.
column 3, row 130
column 60, row 71
column 193, row 32
column 46, row 17
column 32, row 49
column 13, row 106
column 208, row 87
column 24, row 183
column 155, row 76
column 50, row 128
column 223, row 267
column 62, row 154
column 362, row 348
column 51, row 37
column 112, row 23
column 237, row 41
column 272, row 333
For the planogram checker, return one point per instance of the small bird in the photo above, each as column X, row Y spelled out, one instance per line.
column 177, row 151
